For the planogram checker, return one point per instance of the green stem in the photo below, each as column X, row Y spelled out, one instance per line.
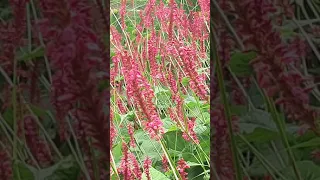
column 281, row 127
column 15, row 120
column 113, row 165
column 172, row 166
column 267, row 165
column 236, row 162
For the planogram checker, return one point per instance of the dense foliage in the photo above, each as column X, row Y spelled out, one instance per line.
column 160, row 95
column 267, row 61
column 53, row 58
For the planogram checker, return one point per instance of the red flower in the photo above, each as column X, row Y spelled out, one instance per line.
column 181, row 167
column 146, row 165
column 5, row 166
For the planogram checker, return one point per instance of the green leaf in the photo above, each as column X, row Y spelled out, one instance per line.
column 24, row 172
column 40, row 112
column 163, row 97
column 261, row 135
column 205, row 107
column 203, row 118
column 315, row 142
column 256, row 118
column 104, row 84
column 314, row 70
column 239, row 110
column 193, row 164
column 173, row 128
column 66, row 169
column 119, row 78
column 287, row 33
column 150, row 147
column 175, row 141
column 8, row 116
column 239, row 63
column 39, row 52
column 127, row 117
column 190, row 99
column 169, row 125
column 197, row 173
column 199, row 129
column 185, row 81
column 258, row 169
column 155, row 175
column 117, row 152
column 193, row 106
column 308, row 169
column 159, row 89
column 256, row 96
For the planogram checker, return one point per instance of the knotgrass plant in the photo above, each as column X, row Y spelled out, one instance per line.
column 269, row 100
column 160, row 94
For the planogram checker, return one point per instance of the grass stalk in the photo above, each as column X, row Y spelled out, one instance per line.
column 236, row 162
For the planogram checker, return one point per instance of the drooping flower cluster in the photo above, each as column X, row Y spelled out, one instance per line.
column 38, row 146
column 141, row 92
column 146, row 165
column 181, row 167
column 5, row 166
column 129, row 167
column 275, row 58
column 165, row 163
column 12, row 34
column 221, row 153
column 76, row 56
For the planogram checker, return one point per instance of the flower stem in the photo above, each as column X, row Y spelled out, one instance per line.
column 236, row 162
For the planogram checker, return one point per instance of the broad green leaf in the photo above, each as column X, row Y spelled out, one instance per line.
column 255, row 96
column 117, row 152
column 5, row 12
column 38, row 111
column 257, row 169
column 239, row 63
column 8, row 116
column 315, row 142
column 39, row 52
column 199, row 129
column 314, row 70
column 287, row 33
column 163, row 97
column 155, row 175
column 239, row 110
column 127, row 117
column 261, row 135
column 169, row 125
column 256, row 118
column 150, row 147
column 185, row 81
column 66, row 169
column 190, row 99
column 175, row 141
column 203, row 118
column 308, row 170
column 196, row 173
column 24, row 172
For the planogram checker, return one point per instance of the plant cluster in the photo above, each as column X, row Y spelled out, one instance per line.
column 265, row 112
column 53, row 62
column 160, row 90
